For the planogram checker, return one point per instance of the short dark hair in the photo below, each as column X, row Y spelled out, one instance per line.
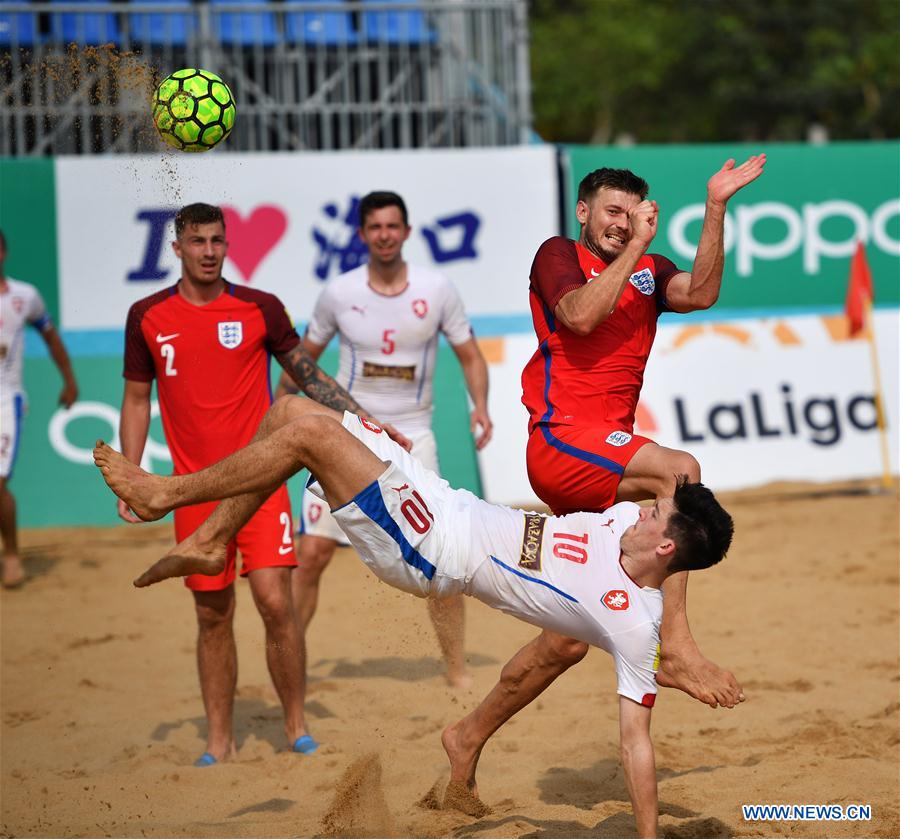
column 623, row 179
column 197, row 214
column 2, row 240
column 377, row 201
column 699, row 526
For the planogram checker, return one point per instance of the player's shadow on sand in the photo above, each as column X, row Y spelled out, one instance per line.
column 40, row 560
column 395, row 667
column 619, row 826
column 604, row 781
column 253, row 716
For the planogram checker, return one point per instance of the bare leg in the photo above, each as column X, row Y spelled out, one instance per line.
column 217, row 666
column 205, row 550
column 286, row 439
column 13, row 573
column 313, row 440
column 527, row 674
column 651, row 474
column 681, row 664
column 448, row 617
column 313, row 555
column 285, row 651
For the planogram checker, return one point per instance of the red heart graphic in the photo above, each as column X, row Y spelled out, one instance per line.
column 251, row 239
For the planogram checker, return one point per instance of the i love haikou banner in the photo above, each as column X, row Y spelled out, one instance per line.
column 292, row 219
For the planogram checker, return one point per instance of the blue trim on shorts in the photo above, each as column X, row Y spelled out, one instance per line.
column 581, row 454
column 18, row 412
column 372, row 504
column 518, row 573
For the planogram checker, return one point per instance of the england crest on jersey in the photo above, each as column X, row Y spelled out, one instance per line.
column 643, row 281
column 231, row 333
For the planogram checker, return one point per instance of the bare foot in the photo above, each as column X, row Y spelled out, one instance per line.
column 138, row 489
column 459, row 797
column 187, row 557
column 459, row 679
column 700, row 678
column 13, row 573
column 463, row 759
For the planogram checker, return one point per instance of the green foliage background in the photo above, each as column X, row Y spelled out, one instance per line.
column 715, row 70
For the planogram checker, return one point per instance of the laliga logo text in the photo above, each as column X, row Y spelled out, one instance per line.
column 756, row 418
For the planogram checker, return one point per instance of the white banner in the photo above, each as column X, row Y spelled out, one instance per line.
column 755, row 401
column 477, row 215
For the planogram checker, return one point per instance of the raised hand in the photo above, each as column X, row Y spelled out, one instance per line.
column 729, row 179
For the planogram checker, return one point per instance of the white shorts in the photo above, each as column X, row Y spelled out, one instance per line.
column 12, row 410
column 315, row 518
column 406, row 525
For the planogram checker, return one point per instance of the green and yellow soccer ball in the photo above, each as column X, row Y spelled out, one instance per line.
column 193, row 110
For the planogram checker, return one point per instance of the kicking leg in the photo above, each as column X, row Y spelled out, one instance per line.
column 527, row 674
column 264, row 464
column 651, row 473
column 312, row 440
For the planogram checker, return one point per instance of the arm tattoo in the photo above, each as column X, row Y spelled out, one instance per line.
column 315, row 382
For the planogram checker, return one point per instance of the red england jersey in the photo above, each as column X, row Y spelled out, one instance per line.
column 211, row 365
column 590, row 379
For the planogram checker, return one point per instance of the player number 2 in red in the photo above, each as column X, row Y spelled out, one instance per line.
column 565, row 549
column 388, row 338
column 416, row 512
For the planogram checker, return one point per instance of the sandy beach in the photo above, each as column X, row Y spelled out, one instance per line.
column 102, row 717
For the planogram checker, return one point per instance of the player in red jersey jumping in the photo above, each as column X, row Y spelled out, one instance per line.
column 595, row 303
column 208, row 343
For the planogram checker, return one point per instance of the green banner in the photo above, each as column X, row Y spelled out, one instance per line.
column 791, row 233
column 28, row 219
column 56, row 483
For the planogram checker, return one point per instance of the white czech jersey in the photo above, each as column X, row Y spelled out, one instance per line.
column 563, row 573
column 21, row 305
column 388, row 344
column 557, row 572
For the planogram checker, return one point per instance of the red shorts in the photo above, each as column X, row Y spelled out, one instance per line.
column 576, row 469
column 264, row 541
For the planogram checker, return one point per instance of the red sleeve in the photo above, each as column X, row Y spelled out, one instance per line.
column 138, row 360
column 281, row 337
column 556, row 271
column 663, row 271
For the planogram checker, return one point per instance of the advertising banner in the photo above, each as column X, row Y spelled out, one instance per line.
column 28, row 220
column 755, row 401
column 477, row 215
column 790, row 234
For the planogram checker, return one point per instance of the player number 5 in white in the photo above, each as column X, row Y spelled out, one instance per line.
column 168, row 353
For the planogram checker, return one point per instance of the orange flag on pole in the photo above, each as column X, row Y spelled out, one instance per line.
column 860, row 293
